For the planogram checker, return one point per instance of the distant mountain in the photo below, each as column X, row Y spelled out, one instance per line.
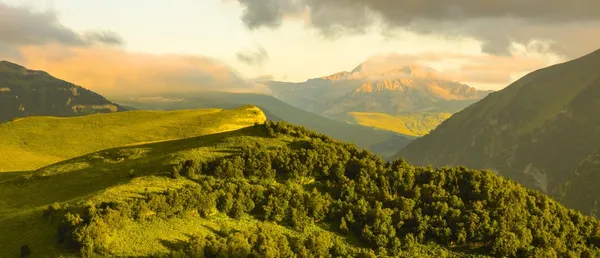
column 25, row 92
column 537, row 130
column 382, row 142
column 399, row 90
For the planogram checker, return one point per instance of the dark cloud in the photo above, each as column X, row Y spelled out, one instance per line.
column 21, row 26
column 268, row 13
column 258, row 56
column 105, row 37
column 496, row 23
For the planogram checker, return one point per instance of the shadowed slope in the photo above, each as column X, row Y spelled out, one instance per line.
column 25, row 92
column 537, row 130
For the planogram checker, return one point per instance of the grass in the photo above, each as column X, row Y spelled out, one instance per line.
column 103, row 176
column 34, row 142
column 122, row 173
column 414, row 124
column 382, row 142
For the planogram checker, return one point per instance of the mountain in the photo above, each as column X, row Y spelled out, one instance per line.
column 537, row 130
column 379, row 141
column 581, row 191
column 25, row 92
column 274, row 190
column 407, row 89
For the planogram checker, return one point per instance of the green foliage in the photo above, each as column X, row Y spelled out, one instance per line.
column 390, row 207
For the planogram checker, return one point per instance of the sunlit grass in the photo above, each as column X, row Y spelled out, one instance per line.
column 417, row 124
column 34, row 142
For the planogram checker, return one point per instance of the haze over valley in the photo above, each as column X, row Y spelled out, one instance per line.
column 297, row 128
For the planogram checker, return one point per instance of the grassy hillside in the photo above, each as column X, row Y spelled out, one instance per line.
column 276, row 190
column 34, row 142
column 537, row 130
column 121, row 175
column 581, row 191
column 25, row 92
column 385, row 143
column 416, row 124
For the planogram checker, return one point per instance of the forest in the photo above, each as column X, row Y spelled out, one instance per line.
column 376, row 208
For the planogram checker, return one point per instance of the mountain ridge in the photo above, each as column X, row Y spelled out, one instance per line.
column 370, row 88
column 26, row 92
column 536, row 130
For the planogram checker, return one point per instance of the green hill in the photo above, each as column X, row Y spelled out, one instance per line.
column 25, row 92
column 34, row 142
column 413, row 124
column 384, row 143
column 537, row 130
column 276, row 190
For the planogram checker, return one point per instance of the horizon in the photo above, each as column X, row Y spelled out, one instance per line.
column 226, row 44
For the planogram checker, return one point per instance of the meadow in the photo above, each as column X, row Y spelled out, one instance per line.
column 413, row 124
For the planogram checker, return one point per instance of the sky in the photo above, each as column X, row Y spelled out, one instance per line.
column 115, row 46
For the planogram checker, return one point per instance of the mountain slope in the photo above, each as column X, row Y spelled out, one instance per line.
column 581, row 191
column 379, row 141
column 276, row 190
column 26, row 92
column 34, row 142
column 413, row 124
column 537, row 130
column 391, row 90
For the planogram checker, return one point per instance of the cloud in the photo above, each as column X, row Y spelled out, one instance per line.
column 491, row 71
column 21, row 26
column 571, row 27
column 38, row 41
column 263, row 78
column 113, row 71
column 258, row 56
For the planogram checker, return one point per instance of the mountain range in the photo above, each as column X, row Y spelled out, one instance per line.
column 538, row 131
column 370, row 88
column 25, row 92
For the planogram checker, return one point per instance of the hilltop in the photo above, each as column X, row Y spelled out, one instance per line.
column 34, row 142
column 25, row 92
column 278, row 190
column 537, row 130
column 379, row 141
